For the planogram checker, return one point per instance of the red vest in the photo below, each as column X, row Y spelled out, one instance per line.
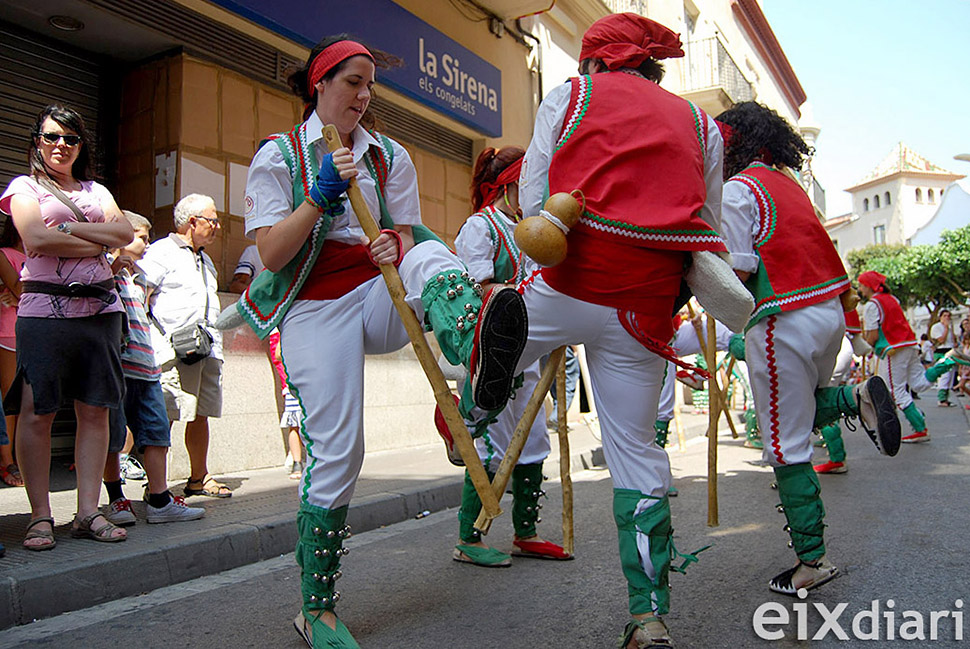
column 892, row 322
column 637, row 153
column 798, row 266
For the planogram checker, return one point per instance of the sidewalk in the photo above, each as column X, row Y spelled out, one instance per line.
column 257, row 523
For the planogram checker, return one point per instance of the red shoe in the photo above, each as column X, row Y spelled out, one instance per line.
column 915, row 438
column 540, row 550
column 831, row 467
column 691, row 379
column 439, row 422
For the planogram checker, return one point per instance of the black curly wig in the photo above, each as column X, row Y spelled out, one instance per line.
column 760, row 133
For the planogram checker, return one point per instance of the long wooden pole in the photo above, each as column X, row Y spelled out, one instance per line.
column 725, row 405
column 565, row 477
column 442, row 395
column 521, row 433
column 715, row 410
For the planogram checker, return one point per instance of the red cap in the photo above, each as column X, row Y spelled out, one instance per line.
column 626, row 40
column 873, row 280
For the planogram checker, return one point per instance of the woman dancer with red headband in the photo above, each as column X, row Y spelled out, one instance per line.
column 323, row 289
column 486, row 246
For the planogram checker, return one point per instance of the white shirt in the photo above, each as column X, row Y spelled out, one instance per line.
column 269, row 188
column 475, row 247
column 178, row 279
column 249, row 262
column 939, row 330
column 548, row 125
column 871, row 316
column 740, row 223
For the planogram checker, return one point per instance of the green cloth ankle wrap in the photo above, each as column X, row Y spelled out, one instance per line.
column 942, row 395
column 799, row 490
column 526, row 491
column 831, row 403
column 647, row 595
column 832, row 434
column 751, row 424
column 318, row 551
column 915, row 418
column 451, row 302
column 934, row 372
column 662, row 428
column 471, row 505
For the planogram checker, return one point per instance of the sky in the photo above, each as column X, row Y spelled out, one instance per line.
column 877, row 72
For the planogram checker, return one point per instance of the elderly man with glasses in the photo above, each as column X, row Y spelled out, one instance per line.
column 182, row 294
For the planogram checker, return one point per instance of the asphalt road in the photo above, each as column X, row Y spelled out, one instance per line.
column 898, row 529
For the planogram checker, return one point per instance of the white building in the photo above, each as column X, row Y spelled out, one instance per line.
column 892, row 202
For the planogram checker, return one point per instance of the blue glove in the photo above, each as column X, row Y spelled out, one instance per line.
column 736, row 346
column 326, row 190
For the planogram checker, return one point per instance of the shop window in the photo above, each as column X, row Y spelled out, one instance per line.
column 879, row 234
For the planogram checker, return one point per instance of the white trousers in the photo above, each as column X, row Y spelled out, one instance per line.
column 625, row 377
column 665, row 411
column 789, row 355
column 323, row 343
column 843, row 363
column 687, row 344
column 492, row 446
column 903, row 372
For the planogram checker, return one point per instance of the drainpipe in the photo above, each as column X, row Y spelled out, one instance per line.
column 538, row 49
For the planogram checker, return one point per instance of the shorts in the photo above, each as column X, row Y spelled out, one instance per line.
column 143, row 411
column 193, row 390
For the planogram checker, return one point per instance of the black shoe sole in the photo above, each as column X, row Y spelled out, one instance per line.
column 888, row 428
column 502, row 337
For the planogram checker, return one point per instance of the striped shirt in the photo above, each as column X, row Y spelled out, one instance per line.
column 138, row 357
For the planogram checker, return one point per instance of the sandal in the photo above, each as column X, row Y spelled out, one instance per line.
column 339, row 638
column 650, row 633
column 10, row 475
column 207, row 487
column 485, row 557
column 84, row 529
column 47, row 535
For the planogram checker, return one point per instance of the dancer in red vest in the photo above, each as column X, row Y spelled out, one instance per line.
column 652, row 196
column 791, row 267
column 887, row 330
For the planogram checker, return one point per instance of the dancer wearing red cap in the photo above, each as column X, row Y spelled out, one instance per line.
column 887, row 330
column 791, row 267
column 324, row 291
column 649, row 166
column 486, row 246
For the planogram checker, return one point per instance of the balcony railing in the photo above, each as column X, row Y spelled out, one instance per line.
column 623, row 6
column 708, row 65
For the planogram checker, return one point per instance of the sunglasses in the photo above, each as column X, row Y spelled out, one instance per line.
column 69, row 140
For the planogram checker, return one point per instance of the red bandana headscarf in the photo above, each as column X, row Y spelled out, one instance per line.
column 491, row 191
column 331, row 56
column 873, row 280
column 626, row 40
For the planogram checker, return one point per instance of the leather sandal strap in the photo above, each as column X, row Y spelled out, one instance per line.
column 37, row 521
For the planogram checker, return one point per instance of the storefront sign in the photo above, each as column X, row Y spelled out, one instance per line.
column 437, row 71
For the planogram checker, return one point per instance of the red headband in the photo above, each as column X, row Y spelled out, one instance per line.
column 727, row 131
column 626, row 40
column 873, row 280
column 331, row 56
column 491, row 191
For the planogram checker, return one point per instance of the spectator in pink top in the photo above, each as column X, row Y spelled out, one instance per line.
column 11, row 261
column 69, row 320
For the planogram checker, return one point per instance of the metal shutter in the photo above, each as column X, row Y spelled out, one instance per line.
column 35, row 72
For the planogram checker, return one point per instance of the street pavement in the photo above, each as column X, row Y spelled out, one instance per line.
column 896, row 526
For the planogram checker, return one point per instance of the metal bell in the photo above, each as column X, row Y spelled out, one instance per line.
column 317, row 576
column 542, row 493
column 336, row 596
column 469, row 307
column 331, row 534
column 451, row 294
column 338, row 575
column 539, row 506
column 347, row 528
column 460, row 288
column 472, row 317
column 791, row 544
column 539, row 519
column 326, row 552
column 452, row 277
column 318, row 553
column 314, row 598
column 460, row 325
column 786, row 528
column 464, row 275
column 527, row 481
column 478, row 289
column 781, row 509
column 535, row 494
column 317, row 530
column 528, row 509
column 346, row 551
column 440, row 279
column 324, row 601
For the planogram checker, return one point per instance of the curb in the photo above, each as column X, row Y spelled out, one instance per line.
column 90, row 582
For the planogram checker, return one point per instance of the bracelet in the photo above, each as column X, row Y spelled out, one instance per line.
column 400, row 248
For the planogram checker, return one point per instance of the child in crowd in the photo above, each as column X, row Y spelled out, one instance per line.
column 292, row 416
column 11, row 263
column 143, row 408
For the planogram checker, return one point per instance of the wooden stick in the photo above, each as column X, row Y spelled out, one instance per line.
column 521, row 434
column 715, row 410
column 442, row 395
column 725, row 406
column 679, row 424
column 565, row 477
